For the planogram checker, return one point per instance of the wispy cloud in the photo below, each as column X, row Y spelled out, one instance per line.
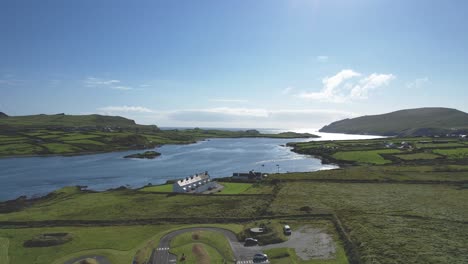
column 288, row 90
column 106, row 83
column 230, row 116
column 123, row 88
column 345, row 86
column 124, row 109
column 417, row 83
column 9, row 80
column 221, row 100
column 93, row 82
column 322, row 58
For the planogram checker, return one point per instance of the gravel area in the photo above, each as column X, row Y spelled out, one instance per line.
column 309, row 243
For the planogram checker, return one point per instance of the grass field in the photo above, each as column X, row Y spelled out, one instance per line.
column 417, row 156
column 234, row 188
column 456, row 153
column 369, row 157
column 4, row 245
column 198, row 253
column 289, row 256
column 43, row 141
column 133, row 204
column 391, row 223
column 118, row 243
column 158, row 188
column 208, row 239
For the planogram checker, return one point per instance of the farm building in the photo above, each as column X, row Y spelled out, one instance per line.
column 251, row 175
column 197, row 183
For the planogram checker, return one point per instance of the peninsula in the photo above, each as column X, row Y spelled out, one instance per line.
column 61, row 134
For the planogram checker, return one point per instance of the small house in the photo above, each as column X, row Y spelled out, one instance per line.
column 197, row 183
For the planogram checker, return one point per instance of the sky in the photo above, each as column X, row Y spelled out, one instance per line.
column 247, row 64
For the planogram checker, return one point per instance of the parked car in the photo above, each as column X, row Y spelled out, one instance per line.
column 287, row 230
column 250, row 242
column 260, row 257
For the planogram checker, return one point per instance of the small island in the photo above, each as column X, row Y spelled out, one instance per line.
column 144, row 155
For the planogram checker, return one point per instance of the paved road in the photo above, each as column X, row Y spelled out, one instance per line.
column 243, row 255
column 100, row 259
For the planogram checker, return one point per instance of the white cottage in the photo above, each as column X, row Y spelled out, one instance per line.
column 198, row 183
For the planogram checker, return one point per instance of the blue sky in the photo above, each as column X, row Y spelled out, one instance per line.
column 285, row 64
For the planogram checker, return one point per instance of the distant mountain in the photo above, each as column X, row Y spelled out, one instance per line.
column 410, row 122
column 3, row 115
column 69, row 122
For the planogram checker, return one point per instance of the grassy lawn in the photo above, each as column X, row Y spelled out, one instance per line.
column 134, row 204
column 158, row 188
column 370, row 156
column 18, row 149
column 84, row 142
column 391, row 223
column 4, row 245
column 198, row 253
column 456, row 153
column 118, row 243
column 288, row 256
column 417, row 156
column 213, row 240
column 234, row 187
column 60, row 148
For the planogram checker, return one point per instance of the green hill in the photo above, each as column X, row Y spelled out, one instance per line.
column 410, row 122
column 69, row 122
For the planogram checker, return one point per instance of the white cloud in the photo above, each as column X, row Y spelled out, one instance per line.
column 123, row 88
column 230, row 117
column 254, row 117
column 124, row 109
column 288, row 90
column 417, row 83
column 373, row 81
column 229, row 100
column 322, row 58
column 106, row 83
column 93, row 82
column 344, row 87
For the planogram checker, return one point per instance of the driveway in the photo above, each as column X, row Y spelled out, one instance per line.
column 309, row 243
column 242, row 254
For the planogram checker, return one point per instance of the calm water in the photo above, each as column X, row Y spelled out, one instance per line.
column 220, row 157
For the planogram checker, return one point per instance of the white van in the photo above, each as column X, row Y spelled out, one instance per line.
column 287, row 230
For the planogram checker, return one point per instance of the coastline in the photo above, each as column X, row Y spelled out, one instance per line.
column 72, row 154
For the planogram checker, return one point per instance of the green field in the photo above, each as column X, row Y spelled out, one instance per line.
column 418, row 156
column 235, row 188
column 134, row 204
column 4, row 246
column 219, row 245
column 456, row 153
column 118, row 243
column 46, row 142
column 370, row 156
column 288, row 256
column 384, row 217
column 158, row 188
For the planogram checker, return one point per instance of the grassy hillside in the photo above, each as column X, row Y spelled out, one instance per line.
column 410, row 122
column 62, row 121
column 80, row 134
